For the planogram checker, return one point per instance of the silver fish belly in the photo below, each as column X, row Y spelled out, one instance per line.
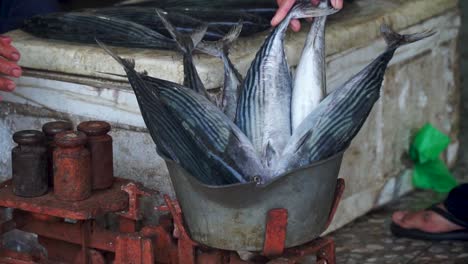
column 263, row 111
column 309, row 86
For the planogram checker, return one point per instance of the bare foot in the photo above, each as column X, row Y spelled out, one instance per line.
column 427, row 221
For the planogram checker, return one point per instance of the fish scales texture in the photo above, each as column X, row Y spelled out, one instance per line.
column 147, row 17
column 263, row 111
column 84, row 27
column 331, row 127
column 309, row 86
column 212, row 128
column 171, row 137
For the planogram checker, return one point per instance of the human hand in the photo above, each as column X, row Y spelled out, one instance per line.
column 9, row 57
column 285, row 5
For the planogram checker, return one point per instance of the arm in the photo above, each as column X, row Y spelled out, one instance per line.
column 9, row 57
column 285, row 5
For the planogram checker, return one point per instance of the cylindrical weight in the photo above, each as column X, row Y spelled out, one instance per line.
column 100, row 146
column 29, row 164
column 72, row 167
column 50, row 130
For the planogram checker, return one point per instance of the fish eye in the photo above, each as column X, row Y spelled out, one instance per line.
column 257, row 179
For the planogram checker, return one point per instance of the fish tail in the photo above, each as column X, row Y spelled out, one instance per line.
column 128, row 64
column 186, row 43
column 306, row 9
column 395, row 40
column 221, row 47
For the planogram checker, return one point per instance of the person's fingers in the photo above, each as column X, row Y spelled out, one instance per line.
column 398, row 216
column 337, row 4
column 283, row 9
column 315, row 2
column 7, row 85
column 9, row 52
column 295, row 25
column 10, row 68
column 5, row 39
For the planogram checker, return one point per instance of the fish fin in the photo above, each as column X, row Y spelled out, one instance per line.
column 128, row 64
column 144, row 73
column 184, row 42
column 233, row 34
column 221, row 47
column 198, row 34
column 270, row 154
column 112, row 74
column 302, row 140
column 306, row 9
column 394, row 40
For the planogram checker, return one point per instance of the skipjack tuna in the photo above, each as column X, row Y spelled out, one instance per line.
column 263, row 111
column 202, row 128
column 330, row 128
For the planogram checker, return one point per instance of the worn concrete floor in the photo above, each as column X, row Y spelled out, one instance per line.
column 368, row 239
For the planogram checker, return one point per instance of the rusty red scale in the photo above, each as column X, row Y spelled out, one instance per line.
column 72, row 167
column 51, row 129
column 100, row 146
column 29, row 164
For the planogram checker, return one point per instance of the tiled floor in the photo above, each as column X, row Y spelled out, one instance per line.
column 368, row 239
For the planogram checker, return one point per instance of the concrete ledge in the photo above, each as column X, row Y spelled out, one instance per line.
column 354, row 27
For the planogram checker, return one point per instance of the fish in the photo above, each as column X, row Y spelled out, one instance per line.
column 309, row 86
column 251, row 23
column 202, row 3
column 172, row 136
column 330, row 128
column 210, row 126
column 264, row 107
column 232, row 77
column 147, row 17
column 186, row 44
column 256, row 15
column 86, row 27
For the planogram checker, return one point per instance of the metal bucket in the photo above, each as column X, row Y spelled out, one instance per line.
column 233, row 217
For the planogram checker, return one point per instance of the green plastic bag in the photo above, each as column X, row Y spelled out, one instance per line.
column 428, row 144
column 429, row 171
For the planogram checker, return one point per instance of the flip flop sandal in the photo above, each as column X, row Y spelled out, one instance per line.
column 421, row 235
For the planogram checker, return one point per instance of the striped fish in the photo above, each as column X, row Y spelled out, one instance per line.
column 211, row 129
column 232, row 78
column 172, row 137
column 147, row 17
column 263, row 111
column 85, row 28
column 330, row 128
column 186, row 45
column 310, row 80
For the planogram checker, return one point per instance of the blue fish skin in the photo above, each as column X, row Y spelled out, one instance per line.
column 330, row 128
